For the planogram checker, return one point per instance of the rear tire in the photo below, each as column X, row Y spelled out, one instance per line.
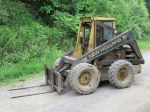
column 121, row 74
column 84, row 78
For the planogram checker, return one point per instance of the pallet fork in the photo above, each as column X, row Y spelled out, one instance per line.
column 21, row 88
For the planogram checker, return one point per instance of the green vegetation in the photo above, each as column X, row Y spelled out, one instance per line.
column 36, row 32
column 147, row 2
column 21, row 71
column 144, row 44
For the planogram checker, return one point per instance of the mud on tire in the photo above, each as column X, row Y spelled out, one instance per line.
column 84, row 78
column 121, row 74
column 56, row 64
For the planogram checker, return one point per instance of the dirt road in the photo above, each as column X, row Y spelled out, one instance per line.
column 106, row 98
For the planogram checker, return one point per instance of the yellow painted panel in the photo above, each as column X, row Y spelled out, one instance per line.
column 79, row 47
column 104, row 19
column 86, row 19
column 91, row 42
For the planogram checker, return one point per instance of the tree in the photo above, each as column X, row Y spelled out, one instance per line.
column 3, row 12
column 147, row 2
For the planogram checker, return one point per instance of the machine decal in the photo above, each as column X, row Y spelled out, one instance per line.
column 105, row 47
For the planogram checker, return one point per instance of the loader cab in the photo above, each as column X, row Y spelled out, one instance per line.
column 103, row 35
column 91, row 34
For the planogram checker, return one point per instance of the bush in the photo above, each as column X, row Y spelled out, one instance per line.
column 138, row 19
column 23, row 38
column 130, row 14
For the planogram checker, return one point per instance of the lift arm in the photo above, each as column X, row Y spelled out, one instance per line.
column 122, row 39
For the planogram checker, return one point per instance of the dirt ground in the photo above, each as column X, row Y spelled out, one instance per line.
column 106, row 98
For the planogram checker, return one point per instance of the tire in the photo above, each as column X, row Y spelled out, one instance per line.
column 84, row 78
column 55, row 66
column 121, row 74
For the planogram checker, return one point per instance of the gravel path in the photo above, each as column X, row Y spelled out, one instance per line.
column 106, row 98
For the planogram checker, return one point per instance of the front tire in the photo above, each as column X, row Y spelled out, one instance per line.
column 121, row 74
column 84, row 78
column 56, row 64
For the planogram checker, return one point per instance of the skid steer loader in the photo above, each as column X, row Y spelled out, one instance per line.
column 101, row 53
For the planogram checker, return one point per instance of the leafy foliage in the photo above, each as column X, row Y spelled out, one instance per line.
column 48, row 8
column 147, row 2
column 130, row 14
column 3, row 12
column 138, row 20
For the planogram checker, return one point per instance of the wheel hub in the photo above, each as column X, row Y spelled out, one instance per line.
column 85, row 78
column 122, row 74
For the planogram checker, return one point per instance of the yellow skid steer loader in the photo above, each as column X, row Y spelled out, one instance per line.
column 101, row 53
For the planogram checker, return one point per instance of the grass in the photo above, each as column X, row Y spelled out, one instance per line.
column 19, row 72
column 144, row 45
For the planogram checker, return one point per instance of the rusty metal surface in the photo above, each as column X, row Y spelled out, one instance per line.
column 85, row 78
column 137, row 69
column 27, row 87
column 50, row 76
column 122, row 74
column 21, row 88
column 33, row 94
column 58, row 81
